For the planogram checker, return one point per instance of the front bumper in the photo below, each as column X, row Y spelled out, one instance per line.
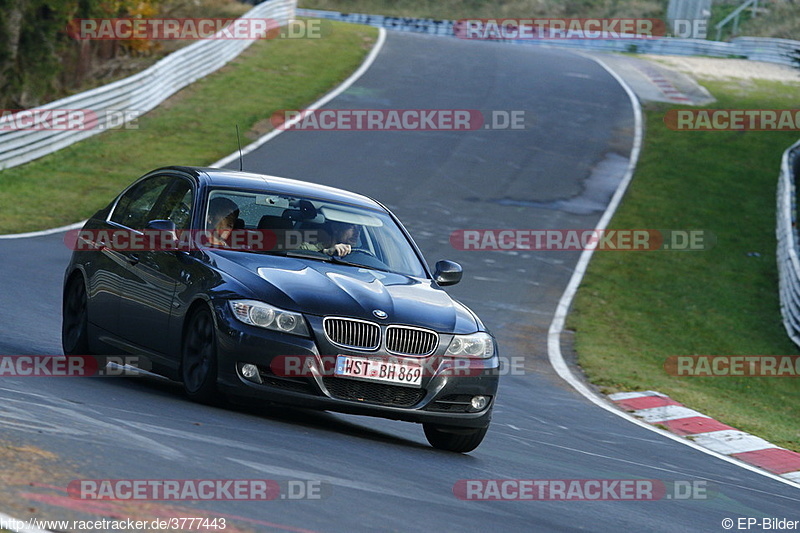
column 443, row 398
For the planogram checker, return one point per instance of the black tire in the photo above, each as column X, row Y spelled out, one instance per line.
column 454, row 439
column 199, row 358
column 75, row 319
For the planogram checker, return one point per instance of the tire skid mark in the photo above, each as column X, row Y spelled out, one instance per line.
column 43, row 417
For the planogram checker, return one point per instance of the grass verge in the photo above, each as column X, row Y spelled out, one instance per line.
column 633, row 310
column 458, row 9
column 193, row 127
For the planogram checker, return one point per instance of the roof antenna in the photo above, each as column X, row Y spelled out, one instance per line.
column 239, row 142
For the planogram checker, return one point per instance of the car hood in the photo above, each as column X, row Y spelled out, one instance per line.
column 330, row 289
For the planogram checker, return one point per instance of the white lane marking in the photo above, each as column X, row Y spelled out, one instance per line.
column 316, row 105
column 42, row 233
column 731, row 441
column 665, row 413
column 256, row 144
column 793, row 476
column 559, row 318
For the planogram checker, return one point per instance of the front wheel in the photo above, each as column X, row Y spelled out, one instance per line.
column 199, row 358
column 75, row 319
column 454, row 439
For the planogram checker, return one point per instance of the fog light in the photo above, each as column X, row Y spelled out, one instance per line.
column 479, row 403
column 251, row 372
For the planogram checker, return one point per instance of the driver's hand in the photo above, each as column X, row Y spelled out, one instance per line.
column 338, row 249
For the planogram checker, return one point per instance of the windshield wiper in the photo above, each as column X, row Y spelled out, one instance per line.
column 308, row 254
column 340, row 261
column 266, row 252
column 319, row 256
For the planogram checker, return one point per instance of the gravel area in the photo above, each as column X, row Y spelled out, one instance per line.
column 722, row 69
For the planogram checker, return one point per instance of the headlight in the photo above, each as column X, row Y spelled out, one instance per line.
column 269, row 317
column 477, row 345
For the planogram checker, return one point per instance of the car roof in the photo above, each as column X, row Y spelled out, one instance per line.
column 223, row 177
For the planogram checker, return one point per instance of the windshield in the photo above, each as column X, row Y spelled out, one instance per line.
column 311, row 228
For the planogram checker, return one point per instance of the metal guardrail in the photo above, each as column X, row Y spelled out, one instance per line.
column 141, row 92
column 787, row 250
column 781, row 51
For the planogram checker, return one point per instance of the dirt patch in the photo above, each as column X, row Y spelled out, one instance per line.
column 33, row 483
column 727, row 69
column 22, row 467
column 259, row 129
column 22, row 464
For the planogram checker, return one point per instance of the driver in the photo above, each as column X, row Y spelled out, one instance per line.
column 342, row 239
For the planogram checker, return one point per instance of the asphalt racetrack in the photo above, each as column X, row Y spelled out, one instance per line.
column 378, row 475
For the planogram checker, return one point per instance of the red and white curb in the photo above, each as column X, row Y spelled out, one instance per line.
column 658, row 409
column 666, row 87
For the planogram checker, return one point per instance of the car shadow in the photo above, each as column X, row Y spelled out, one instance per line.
column 295, row 416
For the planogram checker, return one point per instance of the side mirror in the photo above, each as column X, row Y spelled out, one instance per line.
column 166, row 234
column 447, row 273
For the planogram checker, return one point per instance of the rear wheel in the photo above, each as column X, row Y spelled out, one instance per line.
column 454, row 439
column 75, row 319
column 199, row 358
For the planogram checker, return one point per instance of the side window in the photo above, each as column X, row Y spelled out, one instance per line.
column 182, row 214
column 133, row 209
column 175, row 204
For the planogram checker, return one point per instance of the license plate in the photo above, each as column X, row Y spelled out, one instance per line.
column 407, row 373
